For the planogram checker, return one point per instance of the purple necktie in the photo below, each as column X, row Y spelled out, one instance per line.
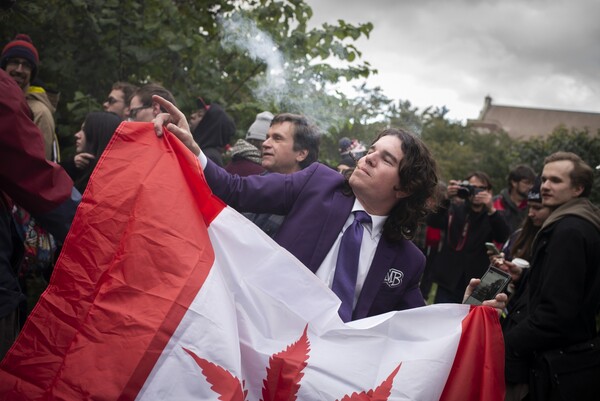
column 346, row 268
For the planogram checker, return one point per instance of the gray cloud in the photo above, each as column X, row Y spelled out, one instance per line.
column 540, row 53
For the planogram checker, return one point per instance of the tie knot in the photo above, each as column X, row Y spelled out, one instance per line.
column 362, row 217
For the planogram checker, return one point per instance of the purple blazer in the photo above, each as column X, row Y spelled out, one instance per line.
column 316, row 209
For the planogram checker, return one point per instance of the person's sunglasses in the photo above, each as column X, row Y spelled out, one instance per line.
column 111, row 100
column 133, row 112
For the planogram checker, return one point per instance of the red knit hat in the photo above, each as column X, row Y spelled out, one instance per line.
column 23, row 47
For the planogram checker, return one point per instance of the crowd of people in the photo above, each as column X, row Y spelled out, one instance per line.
column 379, row 229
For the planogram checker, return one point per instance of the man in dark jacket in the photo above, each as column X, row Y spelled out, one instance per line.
column 470, row 220
column 550, row 334
column 512, row 200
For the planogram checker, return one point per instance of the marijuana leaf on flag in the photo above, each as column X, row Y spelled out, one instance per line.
column 284, row 374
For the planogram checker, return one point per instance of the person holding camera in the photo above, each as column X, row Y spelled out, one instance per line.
column 470, row 220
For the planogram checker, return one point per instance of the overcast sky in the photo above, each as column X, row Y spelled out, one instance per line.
column 529, row 53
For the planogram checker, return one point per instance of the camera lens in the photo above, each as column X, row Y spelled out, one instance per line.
column 463, row 192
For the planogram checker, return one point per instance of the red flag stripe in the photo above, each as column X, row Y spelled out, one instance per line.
column 472, row 377
column 128, row 275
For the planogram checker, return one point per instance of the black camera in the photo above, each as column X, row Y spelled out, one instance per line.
column 467, row 190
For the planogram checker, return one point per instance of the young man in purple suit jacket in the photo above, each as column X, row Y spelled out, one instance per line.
column 318, row 202
column 392, row 184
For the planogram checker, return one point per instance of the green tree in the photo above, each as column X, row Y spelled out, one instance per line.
column 361, row 118
column 580, row 142
column 457, row 148
column 187, row 46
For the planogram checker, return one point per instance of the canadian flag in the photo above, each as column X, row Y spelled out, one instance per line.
column 164, row 293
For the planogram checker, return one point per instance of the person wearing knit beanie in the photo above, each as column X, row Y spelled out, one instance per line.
column 246, row 155
column 257, row 133
column 245, row 159
column 20, row 60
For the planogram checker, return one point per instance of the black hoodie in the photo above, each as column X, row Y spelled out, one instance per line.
column 213, row 132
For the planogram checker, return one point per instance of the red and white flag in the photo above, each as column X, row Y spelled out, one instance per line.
column 164, row 293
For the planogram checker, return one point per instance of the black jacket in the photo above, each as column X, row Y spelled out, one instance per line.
column 464, row 255
column 214, row 132
column 557, row 300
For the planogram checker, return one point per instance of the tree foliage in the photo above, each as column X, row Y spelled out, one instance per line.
column 459, row 150
column 187, row 46
column 251, row 56
column 581, row 142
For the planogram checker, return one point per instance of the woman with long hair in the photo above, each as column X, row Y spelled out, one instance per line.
column 90, row 141
column 520, row 242
column 40, row 248
column 520, row 246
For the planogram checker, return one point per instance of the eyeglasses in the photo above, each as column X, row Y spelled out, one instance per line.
column 111, row 100
column 133, row 112
column 14, row 63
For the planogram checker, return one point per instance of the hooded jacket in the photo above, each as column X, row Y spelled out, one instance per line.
column 513, row 214
column 214, row 132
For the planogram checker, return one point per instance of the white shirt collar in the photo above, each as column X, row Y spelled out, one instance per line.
column 376, row 227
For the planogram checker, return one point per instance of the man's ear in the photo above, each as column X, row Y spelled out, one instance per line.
column 577, row 190
column 302, row 154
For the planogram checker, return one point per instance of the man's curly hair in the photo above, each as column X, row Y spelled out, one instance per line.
column 418, row 177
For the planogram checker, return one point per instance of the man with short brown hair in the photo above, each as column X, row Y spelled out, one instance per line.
column 291, row 144
column 511, row 202
column 118, row 99
column 141, row 106
column 553, row 344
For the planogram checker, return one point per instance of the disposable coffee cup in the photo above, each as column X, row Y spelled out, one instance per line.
column 522, row 263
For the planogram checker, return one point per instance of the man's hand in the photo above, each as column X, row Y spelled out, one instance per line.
column 485, row 198
column 495, row 258
column 175, row 122
column 452, row 189
column 498, row 303
column 82, row 160
column 509, row 267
